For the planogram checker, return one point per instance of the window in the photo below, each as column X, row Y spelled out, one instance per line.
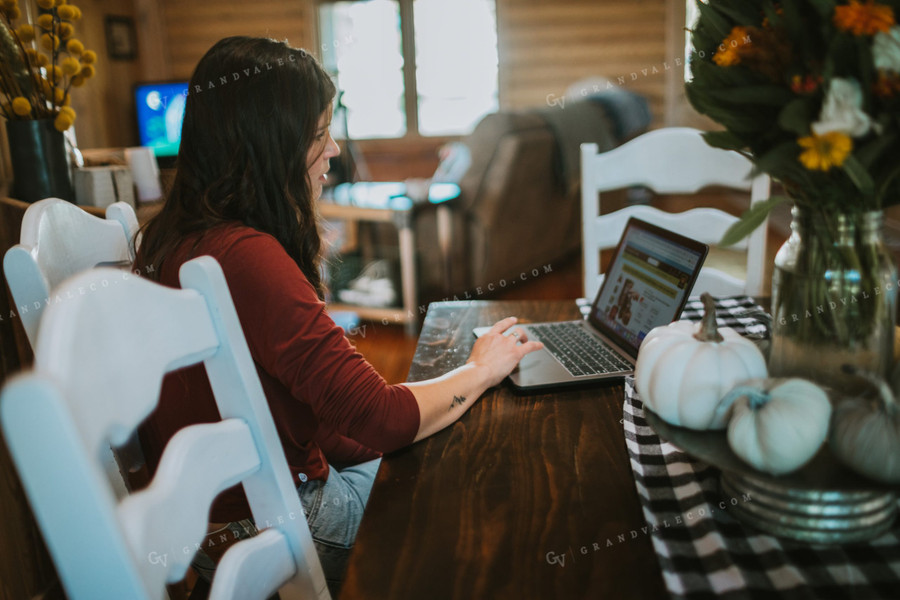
column 410, row 67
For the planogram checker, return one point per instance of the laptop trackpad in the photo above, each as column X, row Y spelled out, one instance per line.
column 537, row 369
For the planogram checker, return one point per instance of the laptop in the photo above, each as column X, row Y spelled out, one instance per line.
column 647, row 284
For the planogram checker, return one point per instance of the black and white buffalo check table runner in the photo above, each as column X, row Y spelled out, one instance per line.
column 704, row 553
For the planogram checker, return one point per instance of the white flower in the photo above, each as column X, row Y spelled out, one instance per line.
column 886, row 50
column 842, row 110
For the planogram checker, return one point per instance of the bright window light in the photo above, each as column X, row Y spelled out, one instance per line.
column 361, row 47
column 456, row 64
column 455, row 45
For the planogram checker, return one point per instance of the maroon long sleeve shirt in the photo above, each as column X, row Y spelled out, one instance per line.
column 328, row 403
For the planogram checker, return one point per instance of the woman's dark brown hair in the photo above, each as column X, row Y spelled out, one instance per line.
column 251, row 115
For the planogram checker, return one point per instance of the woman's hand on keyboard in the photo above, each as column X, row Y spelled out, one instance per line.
column 498, row 352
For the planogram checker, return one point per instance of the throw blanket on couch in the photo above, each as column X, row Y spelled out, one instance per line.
column 606, row 118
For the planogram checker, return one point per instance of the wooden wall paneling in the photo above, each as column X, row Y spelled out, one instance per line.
column 193, row 27
column 545, row 48
column 104, row 105
column 153, row 51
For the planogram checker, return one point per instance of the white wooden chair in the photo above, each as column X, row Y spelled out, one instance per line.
column 57, row 240
column 672, row 160
column 99, row 364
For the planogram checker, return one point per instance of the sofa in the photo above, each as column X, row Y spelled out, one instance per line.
column 519, row 207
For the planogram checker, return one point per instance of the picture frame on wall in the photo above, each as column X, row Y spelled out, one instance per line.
column 121, row 42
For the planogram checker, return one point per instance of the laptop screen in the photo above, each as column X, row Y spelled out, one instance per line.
column 647, row 284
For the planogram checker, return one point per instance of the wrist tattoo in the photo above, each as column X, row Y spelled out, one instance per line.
column 457, row 400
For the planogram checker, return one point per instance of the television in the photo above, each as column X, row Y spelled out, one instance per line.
column 160, row 111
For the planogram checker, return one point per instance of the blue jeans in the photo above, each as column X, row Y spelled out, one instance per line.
column 333, row 509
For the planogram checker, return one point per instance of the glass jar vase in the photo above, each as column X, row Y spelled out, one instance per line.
column 834, row 294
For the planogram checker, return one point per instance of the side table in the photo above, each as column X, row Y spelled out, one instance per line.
column 396, row 203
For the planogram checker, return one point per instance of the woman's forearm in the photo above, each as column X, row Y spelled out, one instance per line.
column 445, row 399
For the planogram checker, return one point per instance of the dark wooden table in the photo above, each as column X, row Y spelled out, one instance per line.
column 524, row 497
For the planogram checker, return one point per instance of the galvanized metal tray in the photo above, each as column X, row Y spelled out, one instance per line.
column 823, row 502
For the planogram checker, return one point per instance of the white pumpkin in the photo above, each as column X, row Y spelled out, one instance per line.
column 778, row 425
column 684, row 370
column 865, row 432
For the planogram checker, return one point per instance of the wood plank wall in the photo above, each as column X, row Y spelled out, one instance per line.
column 543, row 49
column 547, row 47
column 191, row 28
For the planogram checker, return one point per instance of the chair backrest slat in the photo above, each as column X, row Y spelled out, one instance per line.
column 57, row 240
column 100, row 360
column 174, row 329
column 675, row 160
column 205, row 459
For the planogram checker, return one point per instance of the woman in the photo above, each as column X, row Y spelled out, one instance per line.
column 254, row 156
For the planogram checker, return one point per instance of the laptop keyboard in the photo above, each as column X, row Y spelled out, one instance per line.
column 578, row 351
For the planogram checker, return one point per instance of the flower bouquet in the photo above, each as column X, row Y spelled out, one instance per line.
column 810, row 91
column 41, row 62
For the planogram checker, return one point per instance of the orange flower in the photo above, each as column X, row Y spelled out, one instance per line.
column 863, row 19
column 728, row 53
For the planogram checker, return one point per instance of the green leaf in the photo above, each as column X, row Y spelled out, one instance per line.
column 724, row 139
column 743, row 12
column 859, row 176
column 796, row 116
column 779, row 158
column 825, row 8
column 713, row 19
column 750, row 220
column 868, row 154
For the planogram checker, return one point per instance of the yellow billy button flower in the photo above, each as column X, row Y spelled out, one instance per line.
column 70, row 66
column 45, row 21
column 822, row 152
column 77, row 13
column 69, row 111
column 13, row 12
column 64, row 120
column 87, row 71
column 56, row 73
column 66, row 30
column 75, row 47
column 66, row 12
column 25, row 33
column 46, row 4
column 50, row 42
column 42, row 60
column 21, row 106
column 88, row 57
column 59, row 96
column 77, row 81
column 863, row 18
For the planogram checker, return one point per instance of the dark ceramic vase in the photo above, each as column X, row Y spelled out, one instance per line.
column 38, row 155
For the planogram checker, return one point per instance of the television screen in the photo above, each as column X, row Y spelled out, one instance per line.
column 160, row 110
